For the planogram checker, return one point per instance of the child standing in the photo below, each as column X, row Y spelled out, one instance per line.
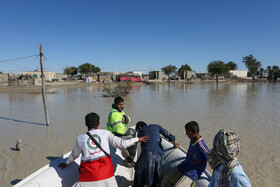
column 186, row 173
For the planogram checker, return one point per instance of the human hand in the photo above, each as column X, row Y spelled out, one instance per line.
column 143, row 139
column 177, row 145
column 63, row 165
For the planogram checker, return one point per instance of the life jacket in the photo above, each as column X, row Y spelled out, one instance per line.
column 115, row 123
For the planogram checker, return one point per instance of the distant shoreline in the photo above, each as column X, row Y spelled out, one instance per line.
column 36, row 89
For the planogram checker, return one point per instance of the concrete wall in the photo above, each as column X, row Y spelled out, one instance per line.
column 20, row 80
column 49, row 75
column 7, row 79
column 4, row 79
column 157, row 75
column 238, row 73
column 59, row 76
column 187, row 74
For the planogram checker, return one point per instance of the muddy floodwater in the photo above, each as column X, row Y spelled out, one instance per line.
column 252, row 110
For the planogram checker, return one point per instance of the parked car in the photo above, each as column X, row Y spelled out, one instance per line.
column 174, row 77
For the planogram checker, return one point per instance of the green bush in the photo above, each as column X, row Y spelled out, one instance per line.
column 121, row 89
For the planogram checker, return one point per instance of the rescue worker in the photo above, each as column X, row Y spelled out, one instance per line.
column 96, row 168
column 118, row 124
column 118, row 120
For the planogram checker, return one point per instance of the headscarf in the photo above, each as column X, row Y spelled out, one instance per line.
column 225, row 149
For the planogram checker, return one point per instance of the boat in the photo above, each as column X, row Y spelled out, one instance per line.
column 52, row 175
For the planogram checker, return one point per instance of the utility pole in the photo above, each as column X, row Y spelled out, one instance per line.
column 11, row 68
column 43, row 85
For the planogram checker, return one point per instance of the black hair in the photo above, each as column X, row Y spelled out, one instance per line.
column 92, row 120
column 140, row 124
column 192, row 126
column 118, row 100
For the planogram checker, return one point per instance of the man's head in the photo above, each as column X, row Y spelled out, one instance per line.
column 139, row 125
column 119, row 102
column 92, row 120
column 192, row 129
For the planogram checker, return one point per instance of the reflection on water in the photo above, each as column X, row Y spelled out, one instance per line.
column 252, row 110
column 20, row 121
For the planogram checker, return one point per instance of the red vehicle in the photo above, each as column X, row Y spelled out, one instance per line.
column 134, row 78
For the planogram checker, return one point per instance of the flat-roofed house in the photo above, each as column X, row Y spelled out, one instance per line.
column 184, row 74
column 49, row 75
column 238, row 73
column 157, row 75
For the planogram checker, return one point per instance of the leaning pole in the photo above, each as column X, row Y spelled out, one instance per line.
column 43, row 86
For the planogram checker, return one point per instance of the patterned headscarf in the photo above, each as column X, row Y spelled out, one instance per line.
column 225, row 150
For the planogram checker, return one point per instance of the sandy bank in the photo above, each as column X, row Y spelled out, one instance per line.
column 36, row 89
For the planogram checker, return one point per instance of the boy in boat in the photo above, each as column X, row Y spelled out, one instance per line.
column 186, row 173
column 118, row 125
column 223, row 160
column 149, row 165
column 96, row 168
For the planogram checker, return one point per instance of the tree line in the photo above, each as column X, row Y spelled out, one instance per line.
column 85, row 68
column 219, row 68
column 216, row 68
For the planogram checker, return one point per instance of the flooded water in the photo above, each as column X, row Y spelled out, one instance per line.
column 251, row 110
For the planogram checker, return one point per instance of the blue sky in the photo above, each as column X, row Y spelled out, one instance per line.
column 138, row 35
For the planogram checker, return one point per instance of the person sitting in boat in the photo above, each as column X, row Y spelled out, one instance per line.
column 149, row 165
column 118, row 124
column 187, row 172
column 96, row 168
column 222, row 158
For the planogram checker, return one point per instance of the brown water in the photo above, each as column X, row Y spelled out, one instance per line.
column 251, row 110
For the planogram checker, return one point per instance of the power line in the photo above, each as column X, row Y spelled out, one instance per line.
column 14, row 59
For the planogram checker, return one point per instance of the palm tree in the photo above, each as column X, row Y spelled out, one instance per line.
column 252, row 65
column 232, row 65
column 261, row 73
column 268, row 73
column 275, row 70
